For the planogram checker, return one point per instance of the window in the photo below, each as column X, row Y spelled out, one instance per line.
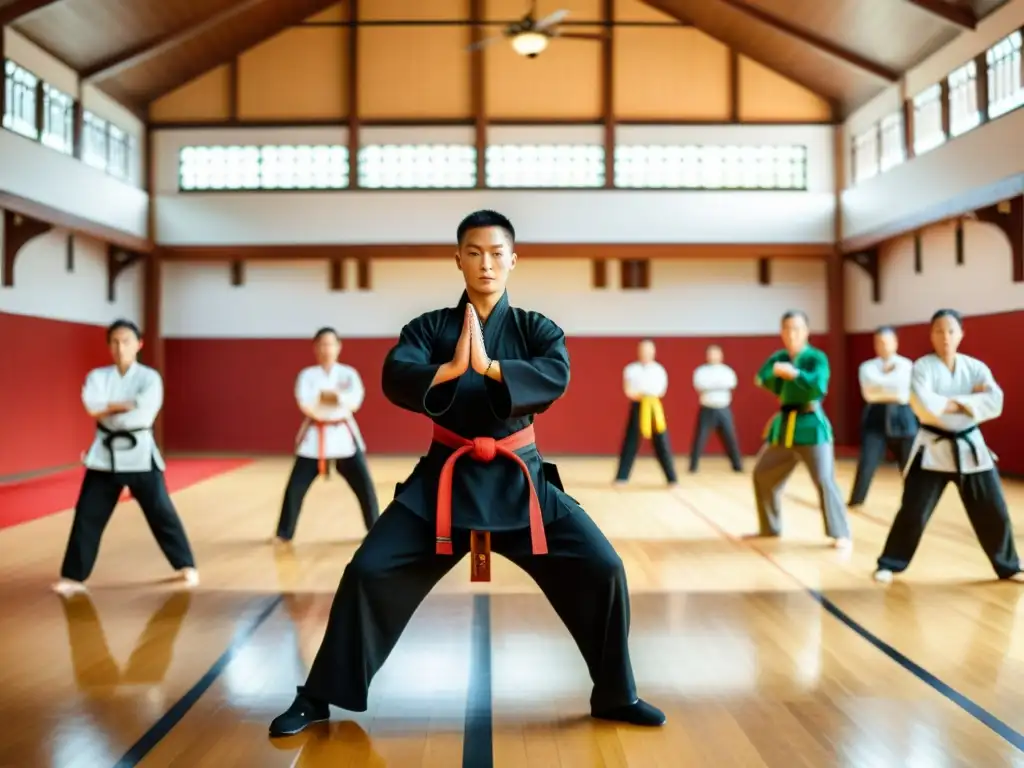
column 263, row 167
column 94, row 141
column 58, row 120
column 963, row 99
column 1005, row 89
column 893, row 142
column 557, row 166
column 866, row 151
column 417, row 166
column 710, row 167
column 20, row 88
column 117, row 152
column 928, row 133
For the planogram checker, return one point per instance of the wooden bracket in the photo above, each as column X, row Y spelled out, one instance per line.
column 918, row 259
column 118, row 260
column 363, row 273
column 1009, row 217
column 868, row 261
column 237, row 274
column 959, row 242
column 69, row 254
column 764, row 271
column 18, row 231
column 599, row 273
column 635, row 273
column 337, row 273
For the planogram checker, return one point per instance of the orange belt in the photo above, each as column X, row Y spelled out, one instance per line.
column 321, row 428
column 484, row 449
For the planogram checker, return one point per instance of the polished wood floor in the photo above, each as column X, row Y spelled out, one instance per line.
column 782, row 654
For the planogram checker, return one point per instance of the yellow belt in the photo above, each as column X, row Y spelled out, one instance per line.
column 652, row 416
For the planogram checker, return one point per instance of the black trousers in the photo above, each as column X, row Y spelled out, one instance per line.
column 396, row 567
column 720, row 420
column 96, row 501
column 873, row 445
column 304, row 472
column 982, row 496
column 631, row 444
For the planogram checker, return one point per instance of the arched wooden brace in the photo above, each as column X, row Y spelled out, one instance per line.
column 868, row 261
column 18, row 231
column 1008, row 215
column 118, row 260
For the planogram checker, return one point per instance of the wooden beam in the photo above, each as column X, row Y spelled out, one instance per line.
column 588, row 251
column 599, row 273
column 69, row 254
column 918, row 254
column 835, row 290
column 815, row 41
column 153, row 337
column 958, row 239
column 477, row 93
column 334, row 122
column 764, row 271
column 11, row 12
column 72, row 223
column 337, row 274
column 352, row 84
column 1008, row 215
column 981, row 85
column 608, row 92
column 158, row 46
column 869, row 262
column 734, row 86
column 237, row 274
column 962, row 204
column 19, row 230
column 118, row 260
column 233, row 89
column 363, row 273
column 635, row 273
column 954, row 14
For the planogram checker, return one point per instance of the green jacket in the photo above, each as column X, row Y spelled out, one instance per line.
column 809, row 425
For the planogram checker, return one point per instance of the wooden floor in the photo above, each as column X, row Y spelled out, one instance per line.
column 782, row 654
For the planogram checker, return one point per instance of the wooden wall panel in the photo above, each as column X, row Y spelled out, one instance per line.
column 334, row 13
column 664, row 73
column 205, row 99
column 768, row 96
column 298, row 74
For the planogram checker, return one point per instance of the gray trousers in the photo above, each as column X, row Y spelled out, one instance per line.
column 774, row 466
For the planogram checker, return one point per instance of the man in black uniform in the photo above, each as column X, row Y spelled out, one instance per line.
column 481, row 371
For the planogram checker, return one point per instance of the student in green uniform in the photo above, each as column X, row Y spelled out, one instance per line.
column 798, row 376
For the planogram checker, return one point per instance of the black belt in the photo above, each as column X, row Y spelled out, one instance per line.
column 110, row 435
column 954, row 438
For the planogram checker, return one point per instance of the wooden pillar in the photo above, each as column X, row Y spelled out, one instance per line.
column 608, row 91
column 352, row 76
column 835, row 347
column 152, row 291
column 477, row 99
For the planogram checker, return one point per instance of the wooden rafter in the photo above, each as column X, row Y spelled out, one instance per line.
column 11, row 12
column 815, row 40
column 150, row 49
column 954, row 14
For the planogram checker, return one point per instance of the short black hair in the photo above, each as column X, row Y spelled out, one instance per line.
column 486, row 218
column 324, row 331
column 122, row 323
column 789, row 314
column 885, row 329
column 949, row 313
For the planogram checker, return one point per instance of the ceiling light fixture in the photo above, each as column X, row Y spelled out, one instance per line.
column 529, row 44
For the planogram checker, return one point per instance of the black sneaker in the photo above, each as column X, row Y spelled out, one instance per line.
column 300, row 715
column 637, row 713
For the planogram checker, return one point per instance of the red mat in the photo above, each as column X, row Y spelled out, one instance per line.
column 38, row 497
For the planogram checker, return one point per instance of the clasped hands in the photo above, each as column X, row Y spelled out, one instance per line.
column 469, row 352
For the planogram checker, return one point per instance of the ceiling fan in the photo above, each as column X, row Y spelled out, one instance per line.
column 530, row 37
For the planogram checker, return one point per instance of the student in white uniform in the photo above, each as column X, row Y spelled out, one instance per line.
column 888, row 421
column 328, row 395
column 952, row 394
column 124, row 399
column 714, row 382
column 645, row 382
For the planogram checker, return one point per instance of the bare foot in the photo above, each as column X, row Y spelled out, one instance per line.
column 68, row 587
column 190, row 576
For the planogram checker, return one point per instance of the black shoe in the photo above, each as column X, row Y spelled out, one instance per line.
column 300, row 715
column 637, row 713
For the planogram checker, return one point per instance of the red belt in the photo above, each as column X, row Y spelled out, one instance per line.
column 321, row 428
column 484, row 449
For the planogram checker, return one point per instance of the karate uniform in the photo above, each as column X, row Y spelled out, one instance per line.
column 800, row 431
column 714, row 384
column 888, row 421
column 646, row 418
column 333, row 437
column 949, row 447
column 123, row 453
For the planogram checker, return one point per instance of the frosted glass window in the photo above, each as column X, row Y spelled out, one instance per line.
column 20, row 87
column 235, row 168
column 545, row 165
column 711, row 167
column 417, row 166
column 1005, row 75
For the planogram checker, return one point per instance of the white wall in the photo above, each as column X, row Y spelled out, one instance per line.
column 688, row 298
column 982, row 285
column 986, row 155
column 44, row 288
column 545, row 216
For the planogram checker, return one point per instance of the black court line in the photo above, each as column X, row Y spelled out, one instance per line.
column 971, row 707
column 173, row 716
column 478, row 738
